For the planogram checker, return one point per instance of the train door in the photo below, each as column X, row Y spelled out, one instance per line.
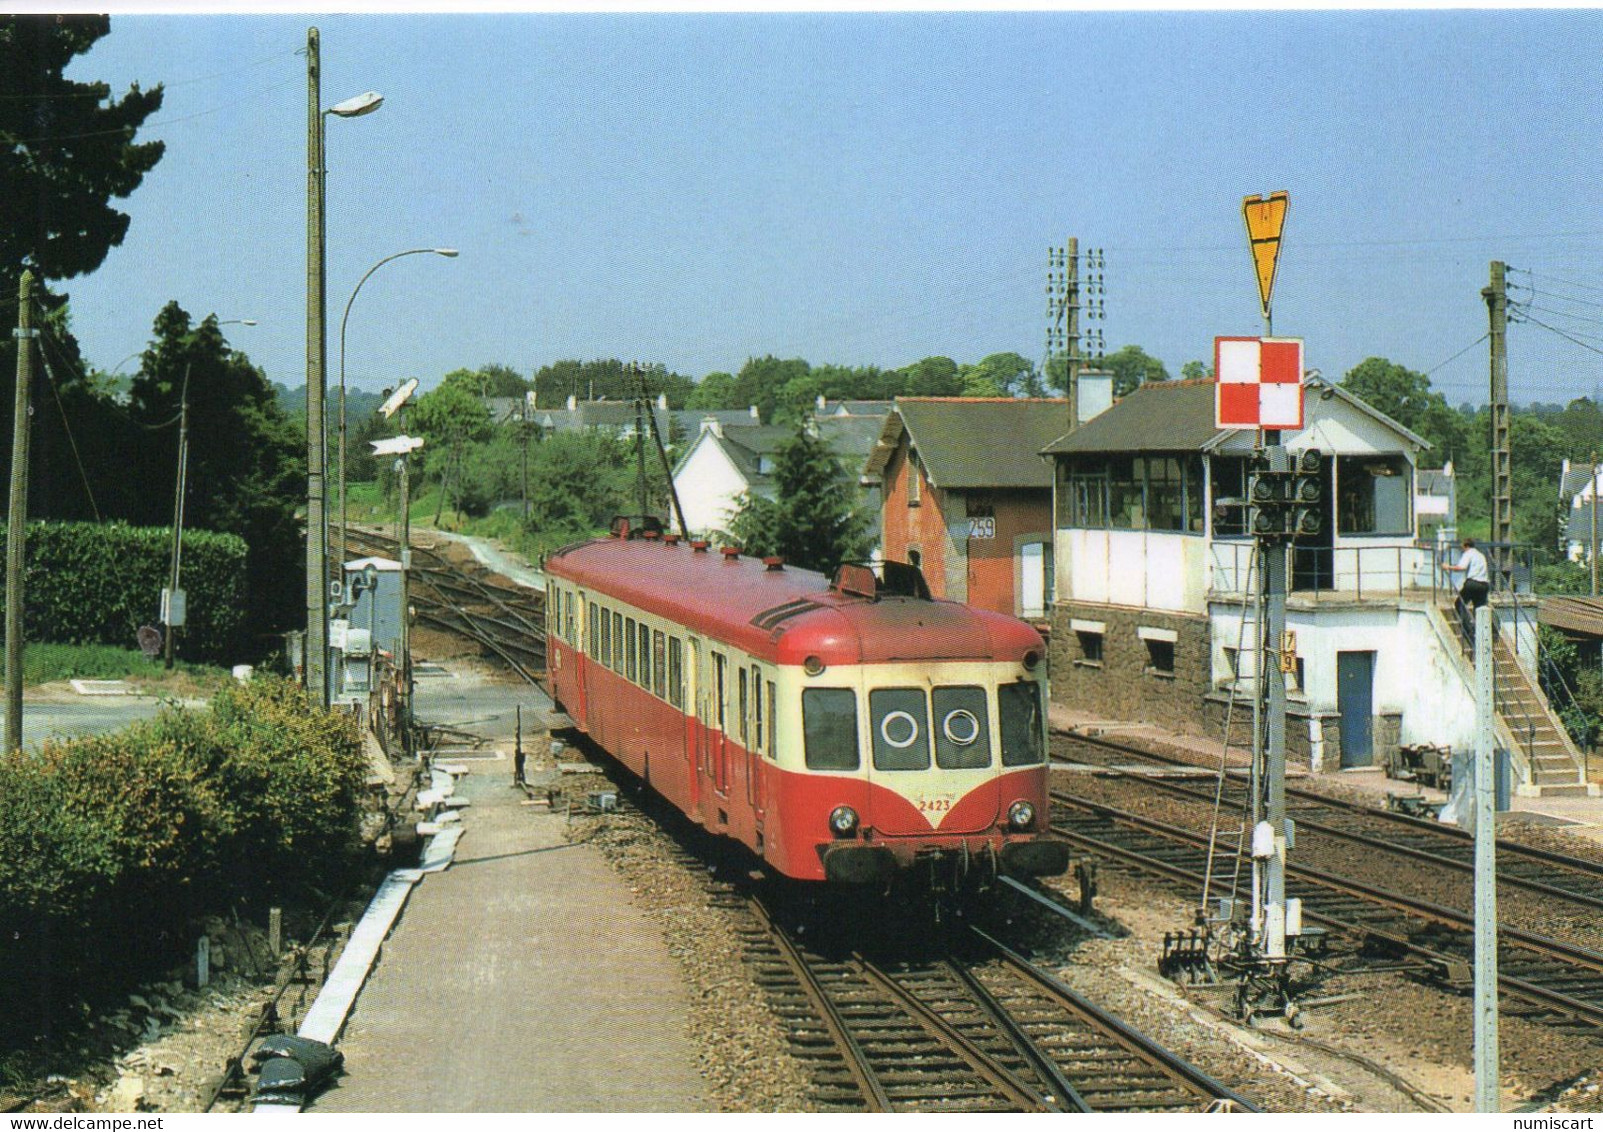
column 754, row 727
column 581, row 657
column 692, row 706
column 720, row 708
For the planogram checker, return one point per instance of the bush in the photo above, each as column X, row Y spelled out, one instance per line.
column 97, row 583
column 111, row 844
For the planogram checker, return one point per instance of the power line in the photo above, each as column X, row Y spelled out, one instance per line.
column 72, row 441
column 132, row 129
column 1458, row 355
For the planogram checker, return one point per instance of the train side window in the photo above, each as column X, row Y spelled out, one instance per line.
column 829, row 728
column 567, row 605
column 606, row 635
column 773, row 718
column 645, row 656
column 659, row 664
column 592, row 644
column 720, row 679
column 1023, row 738
column 617, row 642
column 757, row 704
column 900, row 728
column 676, row 672
column 962, row 728
column 629, row 648
column 745, row 709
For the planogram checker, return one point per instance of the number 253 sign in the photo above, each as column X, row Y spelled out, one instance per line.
column 982, row 527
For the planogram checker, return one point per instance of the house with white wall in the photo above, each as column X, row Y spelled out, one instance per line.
column 1153, row 617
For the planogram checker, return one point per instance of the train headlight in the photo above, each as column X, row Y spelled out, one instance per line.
column 813, row 665
column 1021, row 815
column 843, row 820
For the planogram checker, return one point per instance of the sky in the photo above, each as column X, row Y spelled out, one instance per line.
column 699, row 189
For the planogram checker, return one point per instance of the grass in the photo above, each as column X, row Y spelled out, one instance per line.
column 47, row 663
column 365, row 503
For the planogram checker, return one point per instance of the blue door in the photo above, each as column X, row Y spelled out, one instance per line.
column 1355, row 700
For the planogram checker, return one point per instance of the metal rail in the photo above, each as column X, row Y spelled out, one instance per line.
column 1534, row 969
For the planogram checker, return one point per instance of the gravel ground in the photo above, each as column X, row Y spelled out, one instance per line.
column 1419, row 1033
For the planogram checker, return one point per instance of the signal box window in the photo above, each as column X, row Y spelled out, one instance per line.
column 1090, row 648
column 962, row 728
column 900, row 728
column 829, row 728
column 1373, row 495
column 1160, row 657
column 1023, row 737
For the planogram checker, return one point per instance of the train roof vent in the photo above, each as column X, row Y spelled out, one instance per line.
column 888, row 579
column 768, row 618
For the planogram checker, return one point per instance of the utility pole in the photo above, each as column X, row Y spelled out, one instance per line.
column 316, row 371
column 16, row 528
column 1488, row 1096
column 1496, row 296
column 523, row 434
column 173, row 601
column 1063, row 314
column 641, row 409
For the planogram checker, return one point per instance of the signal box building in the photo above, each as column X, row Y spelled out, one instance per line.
column 1153, row 612
column 967, row 498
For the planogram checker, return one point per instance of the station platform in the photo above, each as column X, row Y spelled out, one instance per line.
column 521, row 978
column 1580, row 817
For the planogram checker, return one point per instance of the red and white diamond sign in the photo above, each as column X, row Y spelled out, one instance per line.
column 1259, row 383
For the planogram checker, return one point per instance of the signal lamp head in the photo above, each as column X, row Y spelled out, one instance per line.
column 1309, row 523
column 1310, row 461
column 843, row 821
column 1021, row 815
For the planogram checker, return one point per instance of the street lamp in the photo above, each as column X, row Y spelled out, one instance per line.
column 173, row 613
column 449, row 253
column 316, row 648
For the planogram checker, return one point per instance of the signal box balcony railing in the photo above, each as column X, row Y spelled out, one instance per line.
column 1412, row 571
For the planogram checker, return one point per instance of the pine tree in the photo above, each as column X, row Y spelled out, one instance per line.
column 813, row 521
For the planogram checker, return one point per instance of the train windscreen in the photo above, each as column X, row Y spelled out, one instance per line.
column 829, row 728
column 963, row 729
column 1022, row 735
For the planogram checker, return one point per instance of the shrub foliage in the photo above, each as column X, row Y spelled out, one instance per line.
column 111, row 844
column 97, row 583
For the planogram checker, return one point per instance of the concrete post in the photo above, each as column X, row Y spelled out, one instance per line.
column 1488, row 1097
column 17, row 525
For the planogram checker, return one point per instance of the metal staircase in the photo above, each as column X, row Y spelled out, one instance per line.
column 1553, row 764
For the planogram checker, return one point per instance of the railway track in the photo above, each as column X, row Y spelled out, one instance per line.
column 974, row 1027
column 1541, row 874
column 508, row 621
column 1552, row 982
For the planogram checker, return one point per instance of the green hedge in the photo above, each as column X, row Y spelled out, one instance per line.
column 97, row 583
column 111, row 844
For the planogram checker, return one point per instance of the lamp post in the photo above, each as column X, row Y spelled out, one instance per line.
column 173, row 590
column 317, row 363
column 449, row 253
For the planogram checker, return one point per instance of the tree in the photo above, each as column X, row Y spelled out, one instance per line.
column 1132, row 366
column 450, row 417
column 813, row 520
column 936, row 376
column 493, row 380
column 715, row 391
column 1196, row 371
column 1002, row 375
column 1406, row 397
column 608, row 380
column 246, row 470
column 66, row 149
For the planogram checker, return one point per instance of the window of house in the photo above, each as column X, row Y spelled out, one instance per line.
column 1373, row 495
column 914, row 487
column 1160, row 656
column 1232, row 664
column 1229, row 482
column 1090, row 646
column 1126, row 505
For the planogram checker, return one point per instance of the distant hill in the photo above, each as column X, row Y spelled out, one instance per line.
column 359, row 403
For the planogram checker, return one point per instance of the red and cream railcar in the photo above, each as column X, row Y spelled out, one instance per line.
column 840, row 732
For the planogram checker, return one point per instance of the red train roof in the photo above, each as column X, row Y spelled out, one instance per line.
column 788, row 614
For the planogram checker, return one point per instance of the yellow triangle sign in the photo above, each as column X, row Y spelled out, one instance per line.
column 1265, row 217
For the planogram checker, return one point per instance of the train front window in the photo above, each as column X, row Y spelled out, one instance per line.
column 829, row 728
column 901, row 728
column 962, row 728
column 1019, row 705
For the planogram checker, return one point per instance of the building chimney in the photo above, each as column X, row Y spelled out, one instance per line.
column 1096, row 394
column 822, row 404
column 754, row 416
column 712, row 425
column 662, row 401
column 573, row 402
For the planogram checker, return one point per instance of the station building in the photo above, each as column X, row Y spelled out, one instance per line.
column 1155, row 575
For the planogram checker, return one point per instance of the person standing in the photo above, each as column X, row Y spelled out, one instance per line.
column 1475, row 588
